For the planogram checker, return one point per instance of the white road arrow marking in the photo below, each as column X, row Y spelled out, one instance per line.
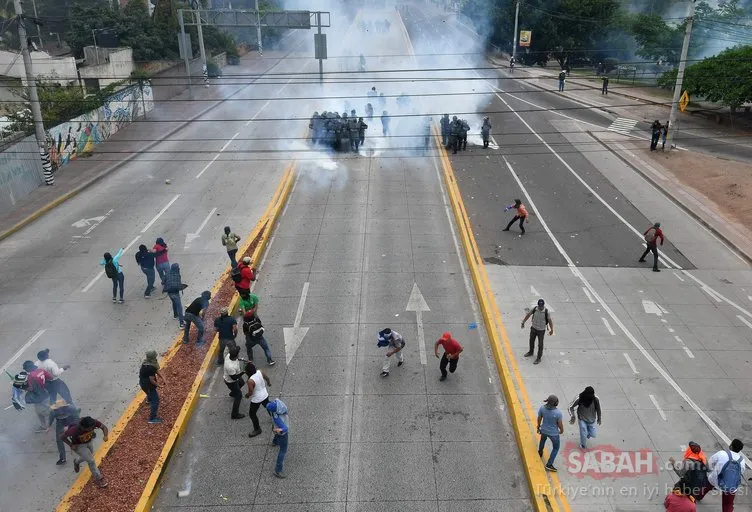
column 294, row 335
column 653, row 308
column 88, row 222
column 417, row 303
column 190, row 237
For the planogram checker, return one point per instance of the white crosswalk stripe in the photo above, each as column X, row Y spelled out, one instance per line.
column 622, row 125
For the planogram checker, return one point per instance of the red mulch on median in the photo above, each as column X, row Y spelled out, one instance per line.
column 130, row 461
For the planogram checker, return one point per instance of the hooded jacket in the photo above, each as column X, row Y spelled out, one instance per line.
column 278, row 410
column 173, row 283
column 145, row 258
column 160, row 251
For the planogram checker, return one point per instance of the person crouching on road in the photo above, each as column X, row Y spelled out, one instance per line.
column 521, row 215
column 392, row 343
column 280, row 426
column 451, row 356
column 588, row 412
column 257, row 392
column 80, row 437
column 114, row 271
column 549, row 426
column 194, row 314
column 227, row 329
column 148, row 379
column 233, row 377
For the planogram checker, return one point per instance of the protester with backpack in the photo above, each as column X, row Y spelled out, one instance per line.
column 652, row 234
column 230, row 241
column 146, row 260
column 280, row 421
column 243, row 275
column 692, row 470
column 725, row 472
column 173, row 286
column 392, row 343
column 540, row 319
column 113, row 270
column 254, row 335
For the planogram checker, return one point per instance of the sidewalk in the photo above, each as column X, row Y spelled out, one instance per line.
column 165, row 120
column 651, row 106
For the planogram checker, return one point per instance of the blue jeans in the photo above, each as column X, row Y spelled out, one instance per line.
column 587, row 430
column 554, row 451
column 561, row 85
column 177, row 307
column 162, row 268
column 153, row 398
column 280, row 441
column 189, row 319
column 251, row 342
column 150, row 277
column 118, row 281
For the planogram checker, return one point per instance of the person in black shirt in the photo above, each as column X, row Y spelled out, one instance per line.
column 64, row 415
column 227, row 329
column 148, row 377
column 194, row 314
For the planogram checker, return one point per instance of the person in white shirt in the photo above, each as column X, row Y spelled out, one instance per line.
column 392, row 343
column 725, row 473
column 233, row 377
column 257, row 392
column 56, row 384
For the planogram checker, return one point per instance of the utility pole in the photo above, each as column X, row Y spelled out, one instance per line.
column 31, row 84
column 672, row 122
column 258, row 30
column 39, row 27
column 197, row 18
column 187, row 52
column 516, row 20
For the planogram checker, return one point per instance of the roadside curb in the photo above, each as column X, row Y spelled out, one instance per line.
column 747, row 256
column 544, row 496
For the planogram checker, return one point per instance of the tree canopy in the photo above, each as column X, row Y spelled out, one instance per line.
column 725, row 78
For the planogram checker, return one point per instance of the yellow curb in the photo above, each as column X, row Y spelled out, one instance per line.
column 545, row 496
column 267, row 224
column 278, row 199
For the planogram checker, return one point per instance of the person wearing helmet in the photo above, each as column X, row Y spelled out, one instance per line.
column 485, row 131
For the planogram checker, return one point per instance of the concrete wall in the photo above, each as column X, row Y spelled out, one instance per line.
column 20, row 172
column 82, row 134
column 220, row 59
column 115, row 65
column 171, row 82
column 55, row 69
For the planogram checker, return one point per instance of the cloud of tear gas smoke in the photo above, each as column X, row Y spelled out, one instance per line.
column 422, row 72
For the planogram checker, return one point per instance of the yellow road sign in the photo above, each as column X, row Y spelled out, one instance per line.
column 683, row 101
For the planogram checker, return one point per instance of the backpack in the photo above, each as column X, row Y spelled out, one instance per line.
column 650, row 235
column 695, row 476
column 253, row 327
column 730, row 476
column 235, row 274
column 110, row 269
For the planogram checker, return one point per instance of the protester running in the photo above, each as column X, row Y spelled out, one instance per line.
column 651, row 235
column 451, row 356
column 230, row 241
column 550, row 426
column 587, row 409
column 80, row 437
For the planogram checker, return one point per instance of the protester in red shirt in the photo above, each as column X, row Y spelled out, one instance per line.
column 679, row 500
column 79, row 437
column 451, row 356
column 652, row 235
column 247, row 275
column 37, row 394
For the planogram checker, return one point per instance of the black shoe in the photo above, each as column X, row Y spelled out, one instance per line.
column 76, row 466
column 505, row 229
column 60, row 462
column 529, row 354
column 254, row 433
column 656, row 270
column 537, row 361
column 641, row 260
column 238, row 417
column 551, row 468
column 443, row 377
column 272, row 362
column 385, row 374
column 540, row 453
column 400, row 363
column 279, row 474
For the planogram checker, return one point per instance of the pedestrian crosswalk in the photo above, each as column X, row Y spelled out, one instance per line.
column 622, row 125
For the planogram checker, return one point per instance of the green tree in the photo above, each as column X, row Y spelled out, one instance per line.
column 725, row 78
column 656, row 39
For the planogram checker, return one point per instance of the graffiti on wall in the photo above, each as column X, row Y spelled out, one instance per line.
column 79, row 135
